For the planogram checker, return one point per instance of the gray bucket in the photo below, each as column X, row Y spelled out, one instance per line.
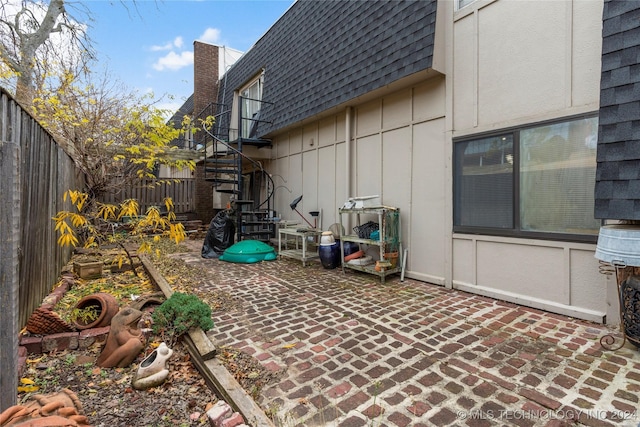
column 619, row 244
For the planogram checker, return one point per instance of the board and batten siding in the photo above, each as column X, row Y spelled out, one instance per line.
column 506, row 65
column 398, row 151
column 513, row 64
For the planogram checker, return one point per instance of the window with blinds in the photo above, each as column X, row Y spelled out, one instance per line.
column 531, row 181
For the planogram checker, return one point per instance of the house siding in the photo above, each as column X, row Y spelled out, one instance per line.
column 397, row 151
column 321, row 54
column 503, row 65
column 516, row 64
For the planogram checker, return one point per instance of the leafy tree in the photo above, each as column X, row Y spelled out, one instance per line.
column 115, row 136
column 35, row 37
column 90, row 225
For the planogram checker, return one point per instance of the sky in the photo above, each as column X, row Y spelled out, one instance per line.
column 148, row 44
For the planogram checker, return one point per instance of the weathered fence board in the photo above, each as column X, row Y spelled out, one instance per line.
column 153, row 192
column 35, row 172
column 9, row 246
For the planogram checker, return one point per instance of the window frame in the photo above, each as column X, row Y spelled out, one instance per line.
column 247, row 124
column 516, row 231
column 460, row 5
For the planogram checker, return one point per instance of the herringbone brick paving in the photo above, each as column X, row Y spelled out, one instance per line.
column 351, row 351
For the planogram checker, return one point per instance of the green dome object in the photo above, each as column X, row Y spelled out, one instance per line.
column 248, row 252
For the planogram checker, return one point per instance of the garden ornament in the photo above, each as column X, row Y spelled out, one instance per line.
column 249, row 252
column 125, row 340
column 152, row 370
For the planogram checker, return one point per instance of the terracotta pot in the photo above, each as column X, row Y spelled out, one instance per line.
column 106, row 306
column 392, row 257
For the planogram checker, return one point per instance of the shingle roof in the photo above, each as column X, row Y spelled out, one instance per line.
column 320, row 54
column 185, row 108
column 176, row 120
column 617, row 190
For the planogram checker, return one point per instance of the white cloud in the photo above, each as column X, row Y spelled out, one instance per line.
column 177, row 42
column 156, row 48
column 210, row 35
column 174, row 61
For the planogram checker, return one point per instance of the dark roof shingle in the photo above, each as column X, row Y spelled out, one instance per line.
column 320, row 54
column 617, row 189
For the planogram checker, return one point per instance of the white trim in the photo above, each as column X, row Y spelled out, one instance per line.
column 527, row 242
column 435, row 280
column 567, row 310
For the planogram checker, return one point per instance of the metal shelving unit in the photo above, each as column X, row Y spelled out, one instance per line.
column 389, row 232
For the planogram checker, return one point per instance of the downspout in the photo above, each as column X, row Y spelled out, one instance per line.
column 347, row 133
column 347, row 156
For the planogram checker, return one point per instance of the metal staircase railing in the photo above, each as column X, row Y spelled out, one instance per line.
column 233, row 172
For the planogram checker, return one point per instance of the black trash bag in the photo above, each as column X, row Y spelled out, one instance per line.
column 219, row 236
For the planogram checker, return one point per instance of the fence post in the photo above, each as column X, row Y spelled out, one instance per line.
column 10, row 195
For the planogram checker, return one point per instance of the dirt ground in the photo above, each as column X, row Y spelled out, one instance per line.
column 106, row 394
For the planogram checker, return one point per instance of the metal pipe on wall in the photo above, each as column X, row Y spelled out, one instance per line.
column 347, row 140
column 347, row 133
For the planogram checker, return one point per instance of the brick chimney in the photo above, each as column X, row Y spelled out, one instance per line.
column 205, row 75
column 205, row 91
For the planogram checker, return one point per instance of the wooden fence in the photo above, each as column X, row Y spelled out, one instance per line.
column 34, row 174
column 153, row 192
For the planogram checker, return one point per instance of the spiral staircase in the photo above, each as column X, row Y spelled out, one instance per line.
column 232, row 171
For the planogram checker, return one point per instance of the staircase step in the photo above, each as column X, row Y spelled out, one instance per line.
column 227, row 191
column 222, row 180
column 215, row 160
column 218, row 170
column 257, row 222
column 260, row 143
column 256, row 213
column 256, row 233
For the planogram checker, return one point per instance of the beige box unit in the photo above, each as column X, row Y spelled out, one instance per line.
column 88, row 270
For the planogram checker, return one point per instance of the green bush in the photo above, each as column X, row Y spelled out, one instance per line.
column 179, row 313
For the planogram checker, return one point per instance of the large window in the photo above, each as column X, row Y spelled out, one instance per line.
column 251, row 97
column 533, row 182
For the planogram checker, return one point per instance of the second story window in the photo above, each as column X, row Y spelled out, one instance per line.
column 251, row 97
column 462, row 3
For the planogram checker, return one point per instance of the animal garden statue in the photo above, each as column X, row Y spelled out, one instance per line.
column 152, row 370
column 125, row 340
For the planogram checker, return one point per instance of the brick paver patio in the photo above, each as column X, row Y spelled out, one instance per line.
column 350, row 351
